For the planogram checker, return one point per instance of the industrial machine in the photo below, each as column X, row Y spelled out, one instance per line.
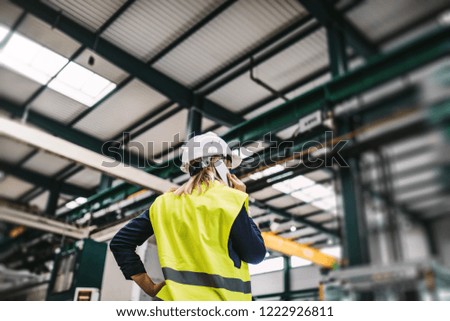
column 402, row 281
column 78, row 272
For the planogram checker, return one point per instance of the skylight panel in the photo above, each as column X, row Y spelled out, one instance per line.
column 81, row 84
column 31, row 59
column 40, row 64
column 294, row 184
column 266, row 172
column 3, row 32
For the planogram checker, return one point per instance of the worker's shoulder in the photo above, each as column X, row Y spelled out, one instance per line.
column 163, row 198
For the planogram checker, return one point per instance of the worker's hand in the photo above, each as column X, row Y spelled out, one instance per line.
column 147, row 285
column 237, row 183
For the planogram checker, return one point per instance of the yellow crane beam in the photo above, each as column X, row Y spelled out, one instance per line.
column 291, row 248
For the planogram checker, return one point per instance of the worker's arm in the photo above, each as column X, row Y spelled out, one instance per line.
column 246, row 242
column 124, row 243
column 146, row 284
column 123, row 246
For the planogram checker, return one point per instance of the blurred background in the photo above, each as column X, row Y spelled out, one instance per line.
column 341, row 109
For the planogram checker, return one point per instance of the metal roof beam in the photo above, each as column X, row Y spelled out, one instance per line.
column 61, row 130
column 329, row 17
column 44, row 181
column 135, row 67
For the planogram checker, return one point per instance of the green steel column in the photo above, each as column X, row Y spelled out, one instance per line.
column 194, row 123
column 287, row 279
column 52, row 201
column 105, row 182
column 355, row 244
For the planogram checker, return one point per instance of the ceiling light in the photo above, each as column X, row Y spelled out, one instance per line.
column 75, row 203
column 81, row 200
column 444, row 19
column 293, row 228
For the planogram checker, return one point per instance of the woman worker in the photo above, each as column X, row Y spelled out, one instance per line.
column 204, row 234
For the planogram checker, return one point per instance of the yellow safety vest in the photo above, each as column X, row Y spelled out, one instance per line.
column 192, row 233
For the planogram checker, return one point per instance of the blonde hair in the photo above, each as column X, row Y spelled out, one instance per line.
column 202, row 179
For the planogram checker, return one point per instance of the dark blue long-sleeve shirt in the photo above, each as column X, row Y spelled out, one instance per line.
column 245, row 243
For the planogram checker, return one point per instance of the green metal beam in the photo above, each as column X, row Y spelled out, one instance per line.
column 44, row 181
column 53, row 127
column 379, row 70
column 194, row 123
column 135, row 67
column 52, row 201
column 329, row 17
column 61, row 130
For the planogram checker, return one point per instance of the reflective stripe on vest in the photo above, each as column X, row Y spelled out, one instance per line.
column 205, row 279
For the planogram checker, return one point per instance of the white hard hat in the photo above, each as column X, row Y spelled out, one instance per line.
column 206, row 145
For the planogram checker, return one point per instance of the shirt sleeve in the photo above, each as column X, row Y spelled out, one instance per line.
column 128, row 238
column 246, row 240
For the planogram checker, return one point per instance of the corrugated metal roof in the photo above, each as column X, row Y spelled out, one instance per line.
column 9, row 13
column 15, row 87
column 90, row 13
column 86, row 178
column 46, row 164
column 42, row 33
column 160, row 137
column 149, row 26
column 321, row 217
column 295, row 62
column 290, row 65
column 320, row 174
column 12, row 187
column 101, row 66
column 264, row 108
column 265, row 193
column 302, row 210
column 240, row 28
column 239, row 93
column 12, row 152
column 57, row 106
column 119, row 111
column 255, row 210
column 150, row 120
column 284, row 201
column 377, row 18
